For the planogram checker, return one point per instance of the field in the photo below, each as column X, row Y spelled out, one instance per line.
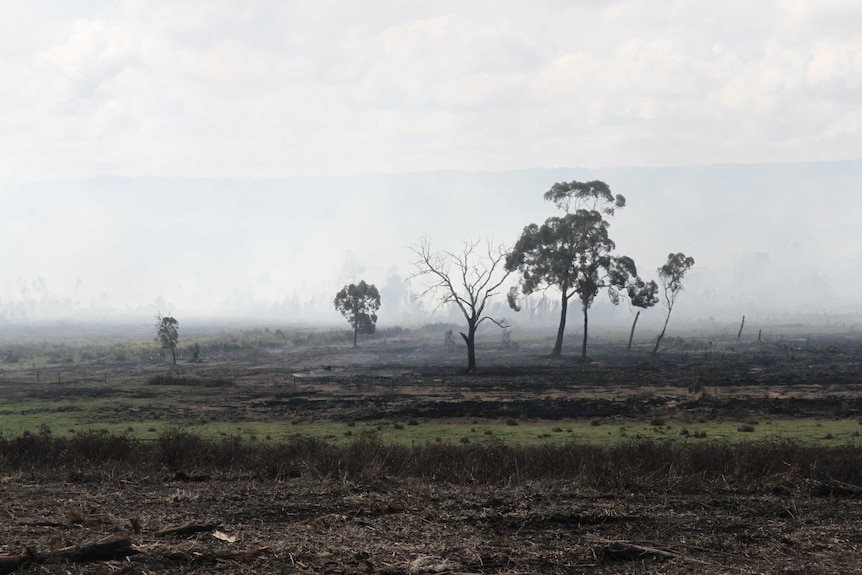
column 289, row 452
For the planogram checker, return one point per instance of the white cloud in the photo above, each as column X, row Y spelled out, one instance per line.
column 268, row 89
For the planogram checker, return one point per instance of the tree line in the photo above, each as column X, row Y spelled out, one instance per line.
column 571, row 254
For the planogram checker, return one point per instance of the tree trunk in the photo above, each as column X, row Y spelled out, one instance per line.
column 355, row 320
column 661, row 335
column 470, row 340
column 632, row 332
column 558, row 345
column 586, row 325
column 174, row 353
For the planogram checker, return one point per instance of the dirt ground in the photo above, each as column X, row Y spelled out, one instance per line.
column 305, row 526
column 325, row 525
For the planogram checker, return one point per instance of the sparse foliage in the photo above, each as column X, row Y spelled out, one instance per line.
column 468, row 279
column 671, row 276
column 642, row 295
column 359, row 303
column 573, row 253
column 167, row 333
column 594, row 196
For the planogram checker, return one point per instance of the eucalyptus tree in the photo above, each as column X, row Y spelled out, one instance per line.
column 468, row 278
column 573, row 253
column 167, row 333
column 358, row 303
column 593, row 196
column 642, row 295
column 671, row 276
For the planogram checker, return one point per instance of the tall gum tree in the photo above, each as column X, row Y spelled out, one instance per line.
column 468, row 279
column 573, row 253
column 671, row 276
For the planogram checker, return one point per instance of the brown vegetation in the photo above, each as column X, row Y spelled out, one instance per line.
column 183, row 503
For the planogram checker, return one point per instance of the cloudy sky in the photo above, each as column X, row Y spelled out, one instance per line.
column 270, row 88
column 100, row 97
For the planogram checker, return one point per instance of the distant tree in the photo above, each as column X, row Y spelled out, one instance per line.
column 642, row 295
column 359, row 303
column 671, row 275
column 573, row 253
column 468, row 279
column 167, row 333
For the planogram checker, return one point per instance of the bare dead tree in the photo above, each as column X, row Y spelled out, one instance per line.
column 467, row 278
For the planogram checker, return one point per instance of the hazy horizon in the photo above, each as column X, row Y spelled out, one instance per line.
column 247, row 159
column 281, row 248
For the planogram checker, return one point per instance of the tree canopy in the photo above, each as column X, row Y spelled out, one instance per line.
column 359, row 303
column 573, row 253
column 591, row 196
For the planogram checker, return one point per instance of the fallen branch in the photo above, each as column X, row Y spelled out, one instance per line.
column 189, row 529
column 628, row 551
column 119, row 546
column 106, row 549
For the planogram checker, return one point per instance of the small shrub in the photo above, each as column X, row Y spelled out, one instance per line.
column 657, row 421
column 745, row 428
column 398, row 426
column 165, row 379
column 179, row 448
column 596, row 422
column 700, row 434
column 511, row 422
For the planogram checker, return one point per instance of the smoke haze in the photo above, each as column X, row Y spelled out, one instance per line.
column 246, row 159
column 767, row 239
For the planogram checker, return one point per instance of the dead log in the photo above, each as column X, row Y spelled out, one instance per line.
column 106, row 549
column 10, row 562
column 111, row 547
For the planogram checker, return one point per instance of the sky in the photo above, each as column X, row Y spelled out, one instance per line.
column 209, row 156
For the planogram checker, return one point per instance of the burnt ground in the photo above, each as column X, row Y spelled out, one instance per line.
column 336, row 525
column 324, row 526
